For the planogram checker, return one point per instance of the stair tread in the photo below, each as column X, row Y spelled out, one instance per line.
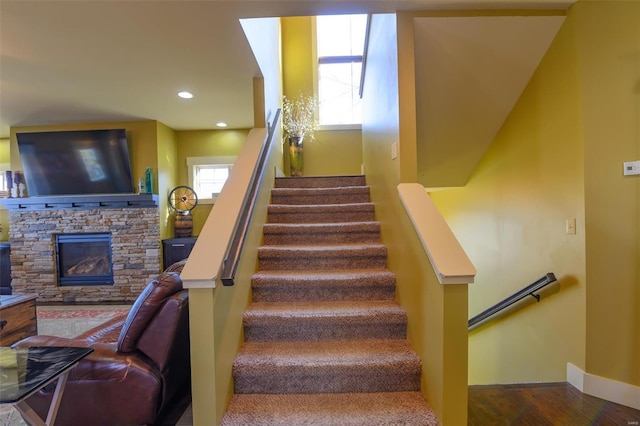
column 333, row 195
column 332, row 309
column 335, row 275
column 315, row 208
column 319, row 190
column 341, row 247
column 337, row 285
column 326, row 353
column 339, row 409
column 334, row 226
column 319, row 181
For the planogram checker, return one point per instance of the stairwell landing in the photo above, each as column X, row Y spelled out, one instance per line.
column 325, row 340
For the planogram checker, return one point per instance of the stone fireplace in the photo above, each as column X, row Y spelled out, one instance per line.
column 128, row 224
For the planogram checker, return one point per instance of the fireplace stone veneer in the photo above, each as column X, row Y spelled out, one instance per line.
column 135, row 243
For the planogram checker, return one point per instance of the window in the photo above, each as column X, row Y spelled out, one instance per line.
column 340, row 46
column 208, row 175
column 4, row 191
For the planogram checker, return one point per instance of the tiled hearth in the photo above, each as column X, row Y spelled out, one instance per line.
column 135, row 244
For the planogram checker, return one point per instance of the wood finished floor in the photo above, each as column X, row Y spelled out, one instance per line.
column 555, row 404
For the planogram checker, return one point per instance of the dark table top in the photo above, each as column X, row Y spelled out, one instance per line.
column 26, row 370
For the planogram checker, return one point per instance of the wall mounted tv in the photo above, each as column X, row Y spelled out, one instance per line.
column 81, row 162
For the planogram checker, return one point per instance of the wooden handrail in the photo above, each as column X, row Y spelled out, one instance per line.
column 232, row 255
column 447, row 257
column 529, row 290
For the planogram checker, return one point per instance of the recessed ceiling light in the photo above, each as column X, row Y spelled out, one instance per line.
column 185, row 95
column 221, row 124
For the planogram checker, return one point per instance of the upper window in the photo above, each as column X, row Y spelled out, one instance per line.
column 207, row 176
column 4, row 190
column 340, row 46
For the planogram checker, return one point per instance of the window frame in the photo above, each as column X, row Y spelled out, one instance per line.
column 4, row 167
column 335, row 59
column 194, row 162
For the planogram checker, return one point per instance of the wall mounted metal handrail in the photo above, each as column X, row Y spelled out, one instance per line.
column 232, row 255
column 364, row 55
column 529, row 290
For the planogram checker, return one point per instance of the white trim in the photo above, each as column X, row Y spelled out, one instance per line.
column 200, row 161
column 334, row 127
column 604, row 388
column 448, row 258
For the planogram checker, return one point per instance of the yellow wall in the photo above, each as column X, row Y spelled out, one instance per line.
column 4, row 151
column 204, row 143
column 559, row 156
column 333, row 152
column 510, row 218
column 298, row 55
column 4, row 214
column 166, row 175
column 436, row 313
column 608, row 34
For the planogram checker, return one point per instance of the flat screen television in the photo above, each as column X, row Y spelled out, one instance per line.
column 79, row 162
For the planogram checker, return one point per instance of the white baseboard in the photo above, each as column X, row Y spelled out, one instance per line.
column 601, row 387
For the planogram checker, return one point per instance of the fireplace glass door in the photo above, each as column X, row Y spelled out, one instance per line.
column 84, row 259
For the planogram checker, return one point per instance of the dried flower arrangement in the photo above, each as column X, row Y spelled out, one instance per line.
column 298, row 116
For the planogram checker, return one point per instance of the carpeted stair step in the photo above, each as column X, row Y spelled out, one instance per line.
column 353, row 284
column 320, row 181
column 347, row 256
column 327, row 366
column 281, row 321
column 327, row 213
column 330, row 409
column 306, row 196
column 321, row 233
column 325, row 340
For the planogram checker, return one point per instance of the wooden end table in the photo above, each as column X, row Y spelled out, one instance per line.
column 17, row 318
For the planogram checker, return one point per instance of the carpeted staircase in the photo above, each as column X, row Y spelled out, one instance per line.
column 325, row 341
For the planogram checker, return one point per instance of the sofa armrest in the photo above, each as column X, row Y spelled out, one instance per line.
column 107, row 332
column 42, row 340
column 104, row 363
column 128, row 385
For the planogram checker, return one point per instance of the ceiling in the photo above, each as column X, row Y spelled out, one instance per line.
column 108, row 60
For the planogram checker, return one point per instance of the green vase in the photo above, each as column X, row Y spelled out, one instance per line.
column 295, row 156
